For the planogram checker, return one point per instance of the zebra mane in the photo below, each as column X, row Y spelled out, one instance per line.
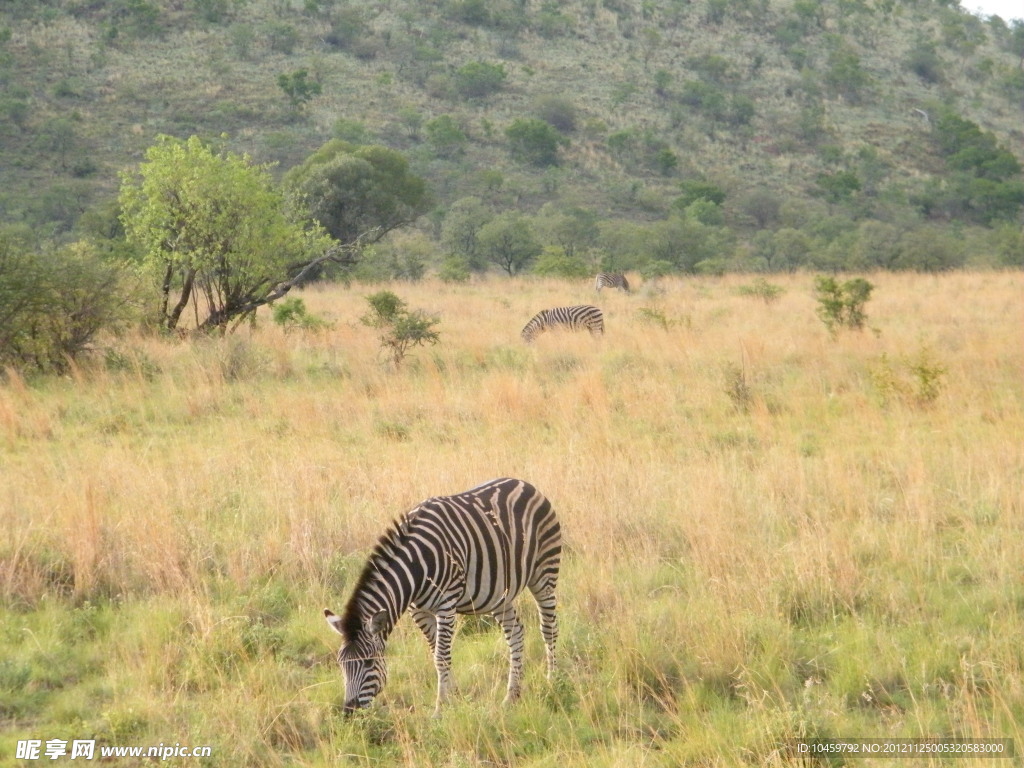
column 388, row 543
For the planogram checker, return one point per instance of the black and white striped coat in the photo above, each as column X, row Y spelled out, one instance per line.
column 470, row 553
column 611, row 280
column 577, row 318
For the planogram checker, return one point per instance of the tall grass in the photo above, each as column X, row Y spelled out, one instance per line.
column 823, row 554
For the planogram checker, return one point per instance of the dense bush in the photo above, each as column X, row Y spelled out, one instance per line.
column 54, row 303
column 534, row 141
column 478, row 79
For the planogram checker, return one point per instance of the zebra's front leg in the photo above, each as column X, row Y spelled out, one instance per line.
column 427, row 623
column 514, row 633
column 445, row 624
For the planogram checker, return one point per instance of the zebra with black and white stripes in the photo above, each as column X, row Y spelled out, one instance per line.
column 577, row 318
column 611, row 280
column 470, row 553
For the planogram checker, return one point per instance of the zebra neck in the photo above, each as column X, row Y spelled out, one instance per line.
column 391, row 585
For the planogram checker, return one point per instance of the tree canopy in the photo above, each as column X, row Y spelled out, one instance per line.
column 353, row 191
column 214, row 230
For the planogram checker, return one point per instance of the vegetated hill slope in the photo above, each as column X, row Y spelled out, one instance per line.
column 824, row 101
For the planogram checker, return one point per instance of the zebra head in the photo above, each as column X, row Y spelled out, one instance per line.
column 361, row 658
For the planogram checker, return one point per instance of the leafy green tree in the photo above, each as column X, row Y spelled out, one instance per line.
column 1006, row 243
column 212, row 229
column 358, row 192
column 682, row 242
column 623, row 244
column 877, row 245
column 839, row 186
column 985, row 184
column 555, row 262
column 446, row 136
column 59, row 136
column 573, row 230
column 507, row 241
column 930, row 249
column 762, row 206
column 461, row 230
column 534, row 141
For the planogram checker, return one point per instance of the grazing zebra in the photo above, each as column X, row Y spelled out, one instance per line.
column 473, row 552
column 611, row 280
column 578, row 318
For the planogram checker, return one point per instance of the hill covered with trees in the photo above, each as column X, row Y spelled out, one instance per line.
column 657, row 135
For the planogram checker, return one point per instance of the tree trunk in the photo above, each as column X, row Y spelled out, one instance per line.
column 186, row 294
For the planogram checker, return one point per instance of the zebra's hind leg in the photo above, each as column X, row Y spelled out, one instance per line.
column 514, row 635
column 544, row 594
column 445, row 629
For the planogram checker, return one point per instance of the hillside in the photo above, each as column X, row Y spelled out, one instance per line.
column 806, row 117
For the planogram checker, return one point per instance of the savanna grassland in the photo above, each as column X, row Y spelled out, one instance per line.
column 771, row 533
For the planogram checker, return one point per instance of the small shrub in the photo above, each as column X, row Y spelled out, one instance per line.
column 131, row 361
column 842, row 305
column 928, row 374
column 455, row 269
column 400, row 330
column 762, row 289
column 291, row 314
column 916, row 381
column 738, row 388
column 298, row 88
column 651, row 316
column 886, row 381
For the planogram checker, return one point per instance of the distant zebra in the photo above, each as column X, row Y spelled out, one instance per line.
column 611, row 280
column 473, row 552
column 578, row 318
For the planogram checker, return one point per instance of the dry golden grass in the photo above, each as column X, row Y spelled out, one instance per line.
column 770, row 533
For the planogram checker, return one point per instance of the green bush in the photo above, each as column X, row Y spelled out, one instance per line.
column 534, row 141
column 291, row 314
column 762, row 289
column 54, row 303
column 558, row 111
column 842, row 305
column 445, row 136
column 478, row 79
column 400, row 330
column 298, row 88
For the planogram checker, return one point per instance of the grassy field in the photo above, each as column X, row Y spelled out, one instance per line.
column 770, row 533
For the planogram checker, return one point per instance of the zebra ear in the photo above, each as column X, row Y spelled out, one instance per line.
column 334, row 620
column 377, row 622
